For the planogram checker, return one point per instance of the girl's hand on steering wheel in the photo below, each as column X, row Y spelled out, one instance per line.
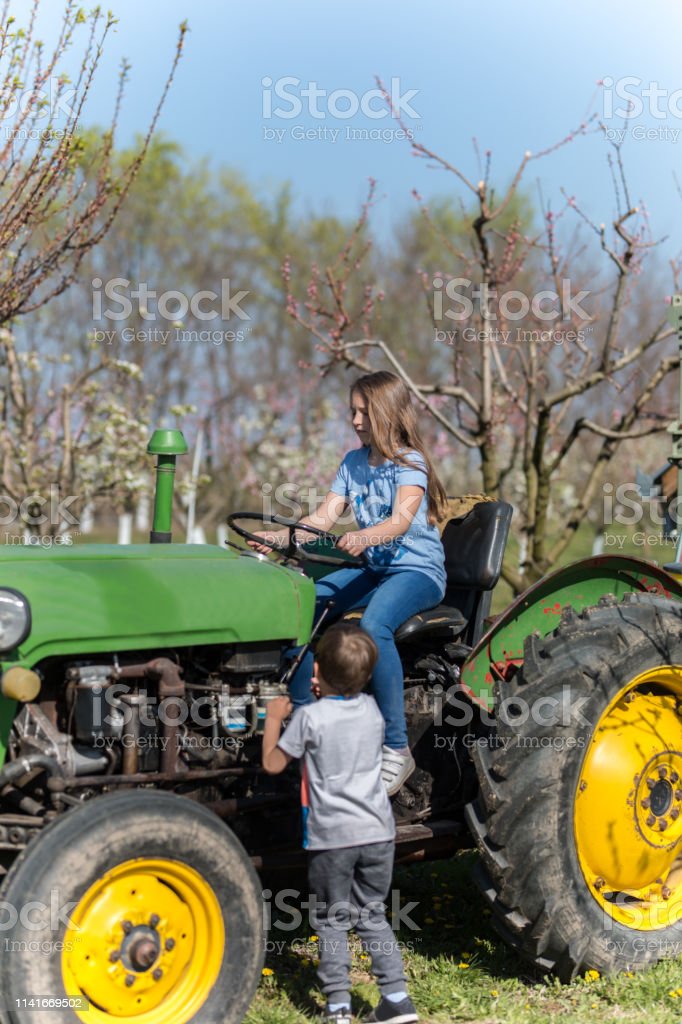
column 274, row 539
column 353, row 543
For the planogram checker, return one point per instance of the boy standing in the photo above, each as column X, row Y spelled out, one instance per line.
column 348, row 825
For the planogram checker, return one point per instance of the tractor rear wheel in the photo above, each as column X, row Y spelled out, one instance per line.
column 139, row 906
column 578, row 819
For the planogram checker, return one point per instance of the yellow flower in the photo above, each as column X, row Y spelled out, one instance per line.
column 594, row 1006
column 494, row 993
column 592, row 975
column 466, row 956
column 267, row 972
column 463, row 966
column 313, row 938
column 673, row 995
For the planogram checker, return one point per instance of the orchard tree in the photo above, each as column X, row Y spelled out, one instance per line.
column 58, row 200
column 553, row 348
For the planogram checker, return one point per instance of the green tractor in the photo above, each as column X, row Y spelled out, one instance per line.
column 134, row 814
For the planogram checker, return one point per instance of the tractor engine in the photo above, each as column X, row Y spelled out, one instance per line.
column 176, row 712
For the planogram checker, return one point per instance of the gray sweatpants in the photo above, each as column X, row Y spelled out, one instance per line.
column 350, row 886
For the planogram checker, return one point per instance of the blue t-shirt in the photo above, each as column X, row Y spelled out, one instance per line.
column 372, row 491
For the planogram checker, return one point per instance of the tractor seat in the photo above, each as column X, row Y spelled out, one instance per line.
column 474, row 549
column 441, row 621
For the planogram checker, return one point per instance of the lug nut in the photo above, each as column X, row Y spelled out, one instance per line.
column 651, row 783
column 170, row 944
column 662, row 824
column 646, row 802
column 674, row 777
column 154, row 920
column 598, row 883
column 675, row 813
column 651, row 821
column 127, row 927
column 114, row 956
column 130, row 980
column 666, row 893
column 158, row 973
column 662, row 772
column 678, row 794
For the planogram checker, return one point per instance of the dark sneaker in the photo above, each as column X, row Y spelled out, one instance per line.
column 393, row 1013
column 343, row 1016
column 396, row 769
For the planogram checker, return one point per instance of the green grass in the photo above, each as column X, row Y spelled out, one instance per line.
column 459, row 969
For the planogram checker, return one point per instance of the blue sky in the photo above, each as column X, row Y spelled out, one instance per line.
column 517, row 76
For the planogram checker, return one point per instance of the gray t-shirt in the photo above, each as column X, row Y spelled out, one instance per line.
column 343, row 798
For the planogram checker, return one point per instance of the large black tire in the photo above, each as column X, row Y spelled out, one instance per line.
column 75, row 853
column 525, row 819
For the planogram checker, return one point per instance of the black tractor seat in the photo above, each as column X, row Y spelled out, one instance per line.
column 441, row 621
column 474, row 549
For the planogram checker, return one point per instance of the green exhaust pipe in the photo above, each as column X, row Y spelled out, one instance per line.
column 167, row 445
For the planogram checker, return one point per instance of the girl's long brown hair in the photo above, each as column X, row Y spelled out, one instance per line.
column 394, row 426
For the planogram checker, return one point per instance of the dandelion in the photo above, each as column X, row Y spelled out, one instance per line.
column 462, row 966
column 494, row 993
column 313, row 938
column 592, row 976
column 267, row 972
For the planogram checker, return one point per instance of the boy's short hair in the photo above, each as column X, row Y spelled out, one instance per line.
column 346, row 656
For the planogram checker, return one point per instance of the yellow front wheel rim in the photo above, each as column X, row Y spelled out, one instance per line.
column 144, row 944
column 628, row 807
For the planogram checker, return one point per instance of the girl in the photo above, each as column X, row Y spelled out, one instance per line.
column 397, row 498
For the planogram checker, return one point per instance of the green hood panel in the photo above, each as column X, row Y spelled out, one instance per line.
column 106, row 598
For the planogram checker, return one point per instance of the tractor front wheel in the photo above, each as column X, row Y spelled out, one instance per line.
column 579, row 814
column 140, row 907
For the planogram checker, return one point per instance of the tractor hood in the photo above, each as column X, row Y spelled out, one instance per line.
column 97, row 598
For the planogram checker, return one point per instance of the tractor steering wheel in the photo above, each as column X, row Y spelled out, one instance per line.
column 294, row 549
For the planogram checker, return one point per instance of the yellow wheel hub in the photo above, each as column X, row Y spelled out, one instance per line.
column 145, row 944
column 628, row 808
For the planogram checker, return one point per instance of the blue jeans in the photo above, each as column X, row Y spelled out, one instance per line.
column 389, row 597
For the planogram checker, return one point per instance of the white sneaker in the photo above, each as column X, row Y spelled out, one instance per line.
column 396, row 769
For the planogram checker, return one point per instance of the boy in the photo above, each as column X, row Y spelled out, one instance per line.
column 348, row 825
